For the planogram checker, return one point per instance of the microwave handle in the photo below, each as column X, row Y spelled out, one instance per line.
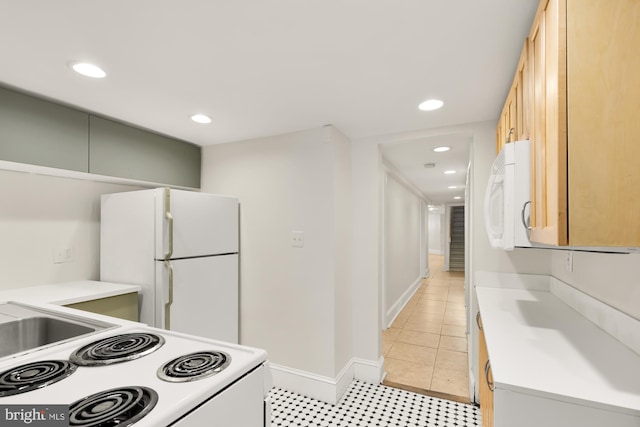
column 524, row 221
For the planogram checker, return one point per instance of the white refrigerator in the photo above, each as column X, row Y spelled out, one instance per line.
column 181, row 247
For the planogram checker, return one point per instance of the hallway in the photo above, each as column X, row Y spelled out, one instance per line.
column 425, row 349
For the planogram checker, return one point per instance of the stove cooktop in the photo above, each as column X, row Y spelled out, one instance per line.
column 170, row 373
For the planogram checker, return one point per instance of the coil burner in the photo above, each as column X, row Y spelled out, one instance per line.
column 115, row 407
column 194, row 366
column 116, row 349
column 31, row 376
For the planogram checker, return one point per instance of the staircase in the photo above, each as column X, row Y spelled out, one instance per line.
column 456, row 248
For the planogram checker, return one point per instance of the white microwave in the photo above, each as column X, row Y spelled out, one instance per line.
column 507, row 199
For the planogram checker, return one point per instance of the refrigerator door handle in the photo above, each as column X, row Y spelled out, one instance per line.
column 169, row 217
column 167, row 306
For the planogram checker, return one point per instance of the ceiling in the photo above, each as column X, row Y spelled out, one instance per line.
column 265, row 67
column 410, row 158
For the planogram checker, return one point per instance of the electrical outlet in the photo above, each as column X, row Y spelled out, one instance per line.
column 297, row 239
column 569, row 261
column 62, row 255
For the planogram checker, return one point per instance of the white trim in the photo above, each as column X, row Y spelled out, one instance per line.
column 397, row 307
column 435, row 251
column 84, row 176
column 346, row 375
column 305, row 383
column 324, row 388
column 369, row 370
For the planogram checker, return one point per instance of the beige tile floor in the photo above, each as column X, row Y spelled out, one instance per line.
column 425, row 349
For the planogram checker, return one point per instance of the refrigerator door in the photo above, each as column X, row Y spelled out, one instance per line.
column 127, row 232
column 205, row 296
column 203, row 224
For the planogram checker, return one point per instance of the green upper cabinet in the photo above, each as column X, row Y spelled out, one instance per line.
column 42, row 133
column 124, row 151
column 38, row 132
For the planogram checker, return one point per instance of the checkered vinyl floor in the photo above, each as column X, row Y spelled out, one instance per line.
column 370, row 405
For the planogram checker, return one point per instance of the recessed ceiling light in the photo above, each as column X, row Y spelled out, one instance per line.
column 88, row 70
column 451, row 187
column 431, row 104
column 457, row 197
column 449, row 172
column 201, row 118
column 441, row 149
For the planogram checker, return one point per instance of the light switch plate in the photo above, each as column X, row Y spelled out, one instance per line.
column 297, row 239
column 62, row 255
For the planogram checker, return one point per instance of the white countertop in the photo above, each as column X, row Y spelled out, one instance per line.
column 67, row 293
column 540, row 346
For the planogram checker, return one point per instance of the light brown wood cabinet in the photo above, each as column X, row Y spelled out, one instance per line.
column 580, row 108
column 515, row 117
column 484, row 366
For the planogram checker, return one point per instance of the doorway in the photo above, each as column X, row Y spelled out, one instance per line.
column 425, row 349
column 456, row 239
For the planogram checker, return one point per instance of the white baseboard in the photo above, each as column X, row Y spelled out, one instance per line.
column 370, row 371
column 324, row 388
column 435, row 251
column 395, row 309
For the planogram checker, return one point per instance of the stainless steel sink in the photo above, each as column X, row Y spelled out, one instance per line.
column 24, row 327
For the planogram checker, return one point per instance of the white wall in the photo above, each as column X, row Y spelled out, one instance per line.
column 295, row 302
column 403, row 249
column 343, row 246
column 367, row 174
column 39, row 213
column 611, row 278
column 435, row 235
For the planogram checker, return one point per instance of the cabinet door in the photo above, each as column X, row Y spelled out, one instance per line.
column 523, row 101
column 121, row 306
column 39, row 132
column 127, row 152
column 486, row 394
column 603, row 122
column 505, row 132
column 513, row 124
column 547, row 63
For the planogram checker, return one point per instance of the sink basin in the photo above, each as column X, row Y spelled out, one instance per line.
column 24, row 334
column 24, row 327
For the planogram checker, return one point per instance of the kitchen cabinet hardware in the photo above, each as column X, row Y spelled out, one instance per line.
column 479, row 321
column 511, row 131
column 487, row 373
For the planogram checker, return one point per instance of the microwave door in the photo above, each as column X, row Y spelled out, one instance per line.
column 494, row 210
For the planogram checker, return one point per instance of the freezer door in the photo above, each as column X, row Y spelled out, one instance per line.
column 203, row 224
column 205, row 296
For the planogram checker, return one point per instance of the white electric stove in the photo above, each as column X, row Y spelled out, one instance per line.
column 143, row 376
